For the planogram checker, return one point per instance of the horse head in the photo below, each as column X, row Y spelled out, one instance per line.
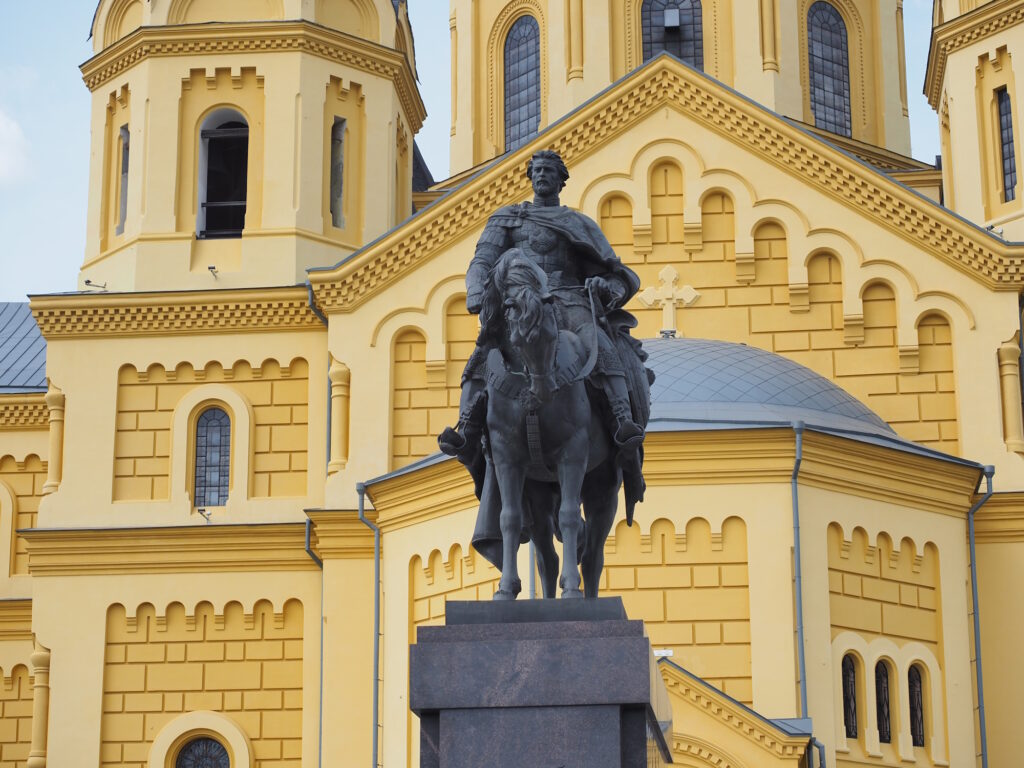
column 520, row 289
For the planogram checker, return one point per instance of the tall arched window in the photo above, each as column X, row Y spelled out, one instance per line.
column 915, row 690
column 882, row 700
column 203, row 752
column 850, row 696
column 675, row 26
column 223, row 174
column 522, row 82
column 213, row 458
column 829, row 66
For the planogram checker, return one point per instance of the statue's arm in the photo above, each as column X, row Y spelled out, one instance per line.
column 620, row 283
column 489, row 248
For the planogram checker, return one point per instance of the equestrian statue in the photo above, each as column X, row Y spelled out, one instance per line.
column 556, row 396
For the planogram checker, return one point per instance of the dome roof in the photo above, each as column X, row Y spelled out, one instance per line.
column 716, row 384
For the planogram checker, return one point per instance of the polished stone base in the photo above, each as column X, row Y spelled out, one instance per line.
column 538, row 684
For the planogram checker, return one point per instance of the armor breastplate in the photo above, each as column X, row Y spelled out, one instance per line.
column 551, row 252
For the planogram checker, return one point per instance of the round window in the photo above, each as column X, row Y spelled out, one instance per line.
column 203, row 752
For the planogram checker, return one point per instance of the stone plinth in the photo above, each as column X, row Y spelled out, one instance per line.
column 538, row 684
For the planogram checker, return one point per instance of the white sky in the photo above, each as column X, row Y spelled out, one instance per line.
column 44, row 128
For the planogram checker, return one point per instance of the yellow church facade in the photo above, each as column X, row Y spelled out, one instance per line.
column 219, row 476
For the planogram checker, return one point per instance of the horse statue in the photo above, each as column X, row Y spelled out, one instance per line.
column 550, row 448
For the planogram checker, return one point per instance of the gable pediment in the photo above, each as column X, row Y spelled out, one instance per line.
column 752, row 130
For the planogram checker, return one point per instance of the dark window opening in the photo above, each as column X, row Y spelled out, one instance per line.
column 122, row 200
column 882, row 703
column 829, row 69
column 213, row 458
column 675, row 26
column 227, row 170
column 522, row 82
column 1008, row 153
column 916, row 691
column 203, row 752
column 337, row 172
column 850, row 696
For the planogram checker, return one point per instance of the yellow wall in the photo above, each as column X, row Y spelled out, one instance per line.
column 246, row 665
column 24, row 481
column 15, row 717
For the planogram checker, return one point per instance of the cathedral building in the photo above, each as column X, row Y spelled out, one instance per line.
column 224, row 508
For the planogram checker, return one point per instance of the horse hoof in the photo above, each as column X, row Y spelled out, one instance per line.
column 572, row 594
column 504, row 594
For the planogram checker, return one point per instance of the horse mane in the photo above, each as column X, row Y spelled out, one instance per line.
column 515, row 277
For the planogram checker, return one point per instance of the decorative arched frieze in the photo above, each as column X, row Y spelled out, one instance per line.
column 428, row 319
column 495, row 90
column 8, row 513
column 698, row 752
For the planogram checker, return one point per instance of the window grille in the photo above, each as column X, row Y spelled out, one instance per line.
column 227, row 169
column 522, row 82
column 213, row 458
column 850, row 696
column 203, row 752
column 675, row 26
column 337, row 172
column 1008, row 153
column 882, row 703
column 829, row 69
column 916, row 692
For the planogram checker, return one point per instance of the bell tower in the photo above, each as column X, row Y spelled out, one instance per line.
column 971, row 82
column 519, row 65
column 235, row 143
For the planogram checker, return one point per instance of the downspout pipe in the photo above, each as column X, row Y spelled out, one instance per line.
column 798, row 430
column 320, row 565
column 361, row 490
column 323, row 319
column 821, row 751
column 989, row 470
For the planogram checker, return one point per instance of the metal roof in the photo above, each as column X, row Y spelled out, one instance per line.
column 22, row 350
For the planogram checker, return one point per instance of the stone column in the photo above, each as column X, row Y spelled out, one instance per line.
column 55, row 461
column 40, row 661
column 340, row 377
column 1009, row 389
column 575, row 39
column 769, row 56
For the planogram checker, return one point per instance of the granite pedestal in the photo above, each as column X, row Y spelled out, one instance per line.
column 538, row 684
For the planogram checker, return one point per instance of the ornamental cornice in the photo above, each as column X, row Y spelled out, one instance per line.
column 425, row 494
column 24, row 412
column 340, row 534
column 256, row 37
column 187, row 549
column 962, row 31
column 741, row 720
column 15, row 620
column 1001, row 519
column 661, row 83
column 171, row 314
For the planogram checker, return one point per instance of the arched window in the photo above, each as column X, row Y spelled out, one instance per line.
column 850, row 696
column 213, row 458
column 829, row 65
column 882, row 708
column 338, row 172
column 223, row 174
column 675, row 26
column 916, row 693
column 522, row 82
column 203, row 752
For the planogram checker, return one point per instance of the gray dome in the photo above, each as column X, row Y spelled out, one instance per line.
column 717, row 383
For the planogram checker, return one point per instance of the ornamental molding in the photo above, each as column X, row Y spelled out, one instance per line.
column 186, row 549
column 961, row 32
column 257, row 37
column 1001, row 519
column 740, row 719
column 659, row 84
column 24, row 412
column 165, row 314
column 15, row 620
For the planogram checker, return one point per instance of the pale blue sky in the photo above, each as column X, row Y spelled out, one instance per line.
column 44, row 128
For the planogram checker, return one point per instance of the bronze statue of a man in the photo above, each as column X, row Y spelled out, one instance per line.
column 580, row 265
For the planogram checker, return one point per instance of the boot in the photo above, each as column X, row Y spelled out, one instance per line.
column 464, row 438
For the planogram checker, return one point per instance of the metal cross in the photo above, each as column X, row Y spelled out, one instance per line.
column 668, row 295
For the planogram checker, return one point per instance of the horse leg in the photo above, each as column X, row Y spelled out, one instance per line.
column 570, row 478
column 600, row 503
column 543, row 501
column 511, row 478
